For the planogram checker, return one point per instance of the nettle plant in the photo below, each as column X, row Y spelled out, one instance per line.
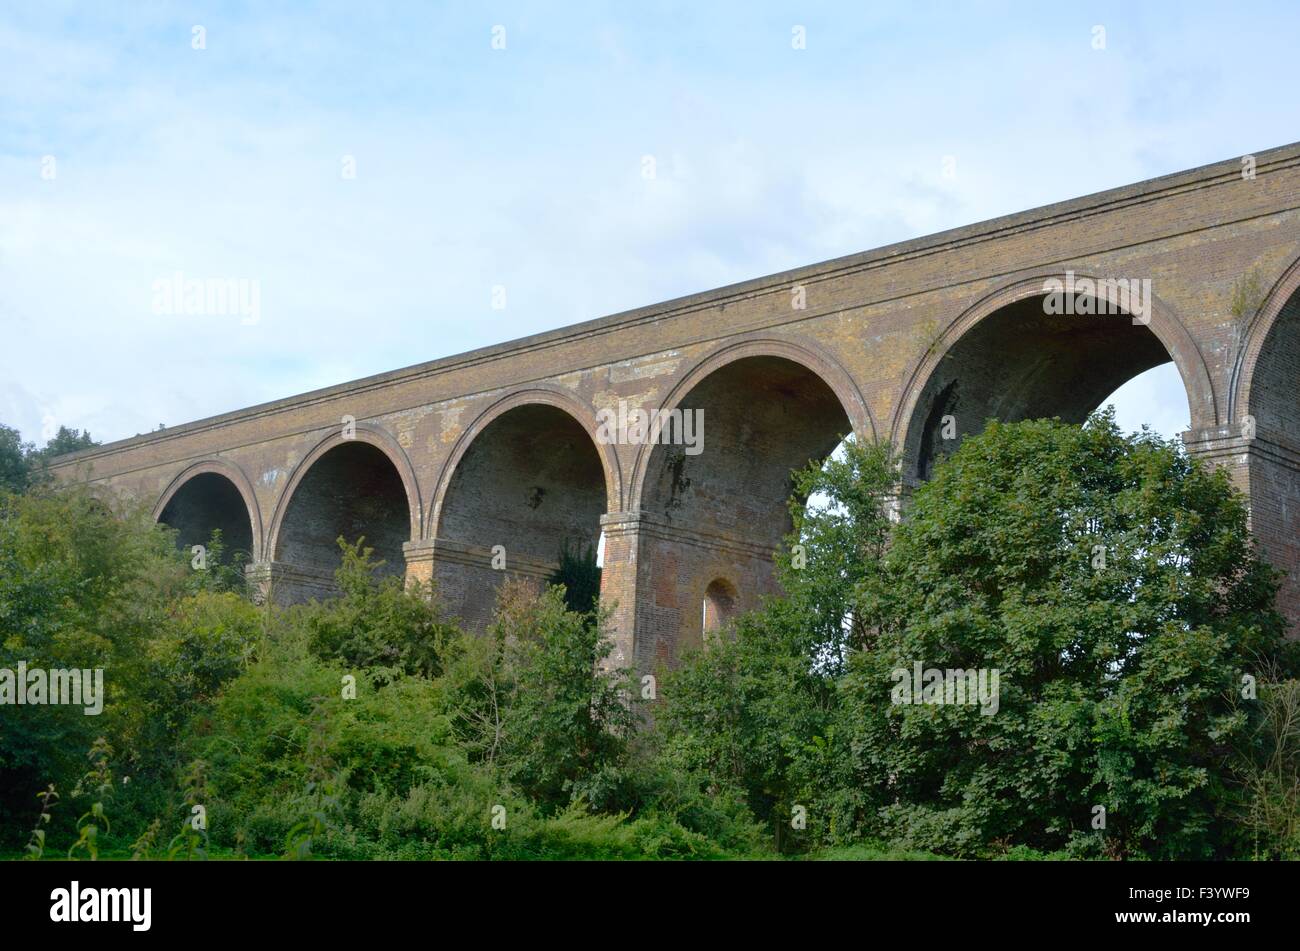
column 98, row 782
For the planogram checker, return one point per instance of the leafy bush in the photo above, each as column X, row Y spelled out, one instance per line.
column 377, row 623
column 1109, row 580
column 1112, row 583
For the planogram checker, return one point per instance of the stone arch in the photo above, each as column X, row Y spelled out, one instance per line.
column 545, row 395
column 1062, row 382
column 770, row 406
column 526, row 480
column 813, row 358
column 210, row 474
column 1276, row 320
column 304, row 527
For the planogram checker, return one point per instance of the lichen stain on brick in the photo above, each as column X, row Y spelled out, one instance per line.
column 644, row 368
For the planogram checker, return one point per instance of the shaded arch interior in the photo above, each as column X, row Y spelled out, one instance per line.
column 1275, row 384
column 532, row 482
column 206, row 502
column 352, row 491
column 1019, row 363
column 723, row 512
column 763, row 418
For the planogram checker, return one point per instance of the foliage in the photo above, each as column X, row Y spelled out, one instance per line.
column 1269, row 767
column 568, row 722
column 1113, row 585
column 23, row 466
column 836, row 543
column 1108, row 579
column 98, row 784
column 377, row 624
column 579, row 576
column 745, row 718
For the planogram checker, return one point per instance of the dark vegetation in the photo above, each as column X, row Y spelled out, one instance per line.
column 1152, row 682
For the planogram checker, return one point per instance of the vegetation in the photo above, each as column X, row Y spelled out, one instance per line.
column 1147, row 703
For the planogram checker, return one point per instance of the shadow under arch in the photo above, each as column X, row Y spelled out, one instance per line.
column 525, row 482
column 363, row 454
column 582, row 413
column 812, row 358
column 235, row 477
column 1005, row 357
column 1278, row 313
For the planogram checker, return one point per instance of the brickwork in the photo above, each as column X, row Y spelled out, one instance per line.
column 467, row 450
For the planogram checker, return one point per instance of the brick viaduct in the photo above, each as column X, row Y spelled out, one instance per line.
column 499, row 446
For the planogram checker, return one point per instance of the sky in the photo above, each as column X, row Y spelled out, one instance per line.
column 377, row 172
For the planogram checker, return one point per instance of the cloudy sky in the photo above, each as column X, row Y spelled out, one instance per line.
column 128, row 155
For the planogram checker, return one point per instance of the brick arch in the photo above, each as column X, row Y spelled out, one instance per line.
column 1164, row 324
column 366, row 433
column 236, row 476
column 811, row 357
column 546, row 395
column 1258, row 331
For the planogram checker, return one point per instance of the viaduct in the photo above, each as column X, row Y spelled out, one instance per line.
column 501, row 446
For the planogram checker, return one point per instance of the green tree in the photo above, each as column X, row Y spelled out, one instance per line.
column 65, row 441
column 754, row 715
column 746, row 717
column 840, row 535
column 579, row 575
column 23, row 465
column 567, row 726
column 1112, row 584
column 378, row 622
column 14, row 464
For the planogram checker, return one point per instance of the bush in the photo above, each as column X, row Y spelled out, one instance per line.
column 377, row 623
column 1112, row 583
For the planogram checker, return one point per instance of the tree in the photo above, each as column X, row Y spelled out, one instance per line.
column 23, row 465
column 13, row 460
column 65, row 441
column 568, row 722
column 840, row 534
column 1111, row 583
column 579, row 575
column 754, row 714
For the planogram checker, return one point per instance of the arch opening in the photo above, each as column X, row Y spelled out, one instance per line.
column 206, row 502
column 1272, row 415
column 1274, row 402
column 1022, row 362
column 530, row 486
column 723, row 512
column 719, row 604
column 352, row 491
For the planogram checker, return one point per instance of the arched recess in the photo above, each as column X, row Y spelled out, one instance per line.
column 719, row 604
column 813, row 359
column 769, row 407
column 529, row 476
column 1267, row 390
column 534, row 396
column 208, row 495
column 355, row 486
column 1007, row 358
column 1267, row 369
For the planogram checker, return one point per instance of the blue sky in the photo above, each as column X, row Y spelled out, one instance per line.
column 522, row 167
